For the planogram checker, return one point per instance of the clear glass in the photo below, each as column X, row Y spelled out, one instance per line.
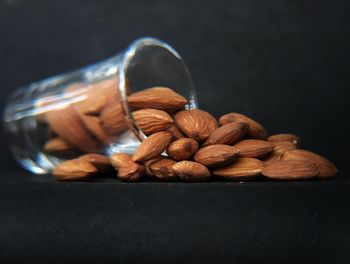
column 75, row 101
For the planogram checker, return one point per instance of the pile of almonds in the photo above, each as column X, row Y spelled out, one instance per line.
column 187, row 145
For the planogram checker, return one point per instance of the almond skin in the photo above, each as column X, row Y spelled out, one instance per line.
column 253, row 148
column 162, row 169
column 177, row 134
column 291, row 170
column 255, row 129
column 191, row 171
column 285, row 137
column 67, row 124
column 161, row 98
column 152, row 120
column 182, row 149
column 327, row 169
column 74, row 170
column 227, row 134
column 216, row 155
column 112, row 118
column 101, row 162
column 242, row 169
column 93, row 125
column 279, row 148
column 196, row 124
column 148, row 164
column 152, row 146
column 128, row 170
column 57, row 146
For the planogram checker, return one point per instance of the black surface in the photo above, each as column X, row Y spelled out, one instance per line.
column 285, row 63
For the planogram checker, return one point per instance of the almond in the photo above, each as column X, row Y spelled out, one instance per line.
column 161, row 98
column 285, row 137
column 148, row 164
column 255, row 129
column 152, row 146
column 253, row 148
column 182, row 149
column 196, row 124
column 94, row 97
column 177, row 134
column 75, row 169
column 227, row 134
column 93, row 125
column 290, row 170
column 152, row 120
column 67, row 124
column 191, row 171
column 101, row 162
column 128, row 170
column 279, row 148
column 112, row 119
column 57, row 146
column 162, row 169
column 216, row 155
column 326, row 168
column 242, row 169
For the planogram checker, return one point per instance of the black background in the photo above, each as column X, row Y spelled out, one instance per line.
column 285, row 63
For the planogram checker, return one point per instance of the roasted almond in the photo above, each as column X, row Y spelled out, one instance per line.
column 216, row 155
column 128, row 170
column 113, row 119
column 191, row 171
column 161, row 98
column 242, row 169
column 67, row 124
column 326, row 168
column 182, row 149
column 279, row 148
column 74, row 170
column 253, row 148
column 57, row 146
column 148, row 164
column 227, row 134
column 285, row 137
column 255, row 129
column 93, row 125
column 152, row 146
column 162, row 169
column 291, row 170
column 152, row 120
column 196, row 124
column 177, row 134
column 101, row 162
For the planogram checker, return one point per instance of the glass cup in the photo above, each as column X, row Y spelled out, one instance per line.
column 65, row 116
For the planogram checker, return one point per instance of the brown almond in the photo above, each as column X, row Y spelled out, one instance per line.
column 242, row 169
column 253, row 148
column 112, row 119
column 290, row 170
column 101, row 162
column 152, row 120
column 162, row 169
column 57, row 146
column 327, row 168
column 285, row 137
column 93, row 125
column 216, row 155
column 182, row 149
column 148, row 164
column 255, row 129
column 161, row 98
column 74, row 170
column 128, row 170
column 279, row 148
column 177, row 134
column 152, row 146
column 196, row 124
column 191, row 171
column 227, row 134
column 67, row 124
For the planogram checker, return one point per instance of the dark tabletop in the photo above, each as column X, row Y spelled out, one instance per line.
column 285, row 63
